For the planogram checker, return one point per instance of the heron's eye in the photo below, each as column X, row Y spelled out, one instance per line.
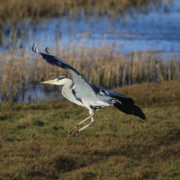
column 62, row 77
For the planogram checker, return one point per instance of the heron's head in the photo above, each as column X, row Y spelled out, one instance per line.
column 60, row 81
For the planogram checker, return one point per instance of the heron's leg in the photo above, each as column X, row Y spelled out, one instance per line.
column 74, row 131
column 88, row 125
column 84, row 120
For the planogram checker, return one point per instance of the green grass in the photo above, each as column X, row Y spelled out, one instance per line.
column 34, row 143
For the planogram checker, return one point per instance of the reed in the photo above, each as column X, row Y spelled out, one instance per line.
column 11, row 10
column 102, row 66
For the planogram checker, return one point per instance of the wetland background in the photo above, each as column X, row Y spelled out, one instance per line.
column 112, row 43
column 131, row 46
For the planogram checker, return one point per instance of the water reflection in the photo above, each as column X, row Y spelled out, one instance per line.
column 39, row 93
column 36, row 93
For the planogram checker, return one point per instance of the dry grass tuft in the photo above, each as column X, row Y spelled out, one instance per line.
column 25, row 122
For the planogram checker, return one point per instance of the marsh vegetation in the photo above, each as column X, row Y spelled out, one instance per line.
column 33, row 143
column 139, row 45
column 14, row 11
column 129, row 46
column 102, row 66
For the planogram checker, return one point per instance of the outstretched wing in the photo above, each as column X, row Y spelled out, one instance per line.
column 119, row 97
column 123, row 103
column 81, row 86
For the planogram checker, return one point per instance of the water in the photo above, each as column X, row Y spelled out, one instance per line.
column 156, row 28
column 39, row 93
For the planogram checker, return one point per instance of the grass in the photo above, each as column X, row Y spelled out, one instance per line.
column 33, row 143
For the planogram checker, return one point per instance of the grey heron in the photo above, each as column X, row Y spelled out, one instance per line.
column 81, row 92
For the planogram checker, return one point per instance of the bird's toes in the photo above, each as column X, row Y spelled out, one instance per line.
column 73, row 132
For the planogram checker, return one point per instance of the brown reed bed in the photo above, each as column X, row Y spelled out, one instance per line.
column 102, row 66
column 16, row 10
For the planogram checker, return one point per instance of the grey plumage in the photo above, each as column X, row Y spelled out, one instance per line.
column 88, row 95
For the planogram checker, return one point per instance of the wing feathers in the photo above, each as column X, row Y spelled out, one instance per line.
column 83, row 86
column 125, row 104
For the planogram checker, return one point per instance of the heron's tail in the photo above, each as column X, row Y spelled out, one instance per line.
column 130, row 108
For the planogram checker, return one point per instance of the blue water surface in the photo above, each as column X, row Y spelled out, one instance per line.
column 154, row 28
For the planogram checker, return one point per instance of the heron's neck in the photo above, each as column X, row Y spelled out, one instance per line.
column 68, row 83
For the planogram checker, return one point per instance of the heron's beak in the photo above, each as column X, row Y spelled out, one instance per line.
column 48, row 82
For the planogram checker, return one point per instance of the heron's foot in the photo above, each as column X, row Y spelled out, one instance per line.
column 73, row 132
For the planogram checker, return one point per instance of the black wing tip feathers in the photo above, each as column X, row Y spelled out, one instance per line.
column 130, row 109
column 34, row 48
column 137, row 111
column 53, row 60
column 47, row 50
column 141, row 115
